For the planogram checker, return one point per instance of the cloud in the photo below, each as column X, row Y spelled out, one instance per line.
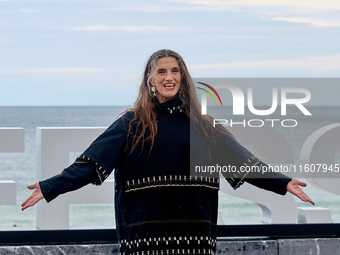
column 46, row 70
column 316, row 63
column 309, row 21
column 28, row 10
column 73, row 70
column 236, row 36
column 310, row 12
column 128, row 28
column 315, row 4
column 160, row 8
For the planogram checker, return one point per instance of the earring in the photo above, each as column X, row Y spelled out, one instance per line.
column 153, row 90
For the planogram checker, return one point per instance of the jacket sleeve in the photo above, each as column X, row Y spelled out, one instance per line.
column 72, row 178
column 94, row 165
column 268, row 180
column 230, row 153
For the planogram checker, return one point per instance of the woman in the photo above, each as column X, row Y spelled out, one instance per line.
column 160, row 208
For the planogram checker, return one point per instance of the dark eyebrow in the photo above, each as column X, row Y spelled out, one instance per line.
column 164, row 69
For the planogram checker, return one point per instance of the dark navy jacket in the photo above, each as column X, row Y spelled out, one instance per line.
column 161, row 208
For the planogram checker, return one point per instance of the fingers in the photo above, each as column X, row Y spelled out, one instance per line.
column 33, row 186
column 34, row 198
column 29, row 202
column 304, row 197
column 293, row 187
column 309, row 200
column 303, row 184
column 25, row 204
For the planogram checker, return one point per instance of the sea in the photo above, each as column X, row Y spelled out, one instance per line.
column 21, row 167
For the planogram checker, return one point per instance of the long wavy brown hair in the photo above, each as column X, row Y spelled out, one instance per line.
column 145, row 113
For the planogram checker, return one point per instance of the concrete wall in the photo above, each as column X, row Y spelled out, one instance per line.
column 228, row 246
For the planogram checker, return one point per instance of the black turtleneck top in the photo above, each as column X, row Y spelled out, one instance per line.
column 160, row 207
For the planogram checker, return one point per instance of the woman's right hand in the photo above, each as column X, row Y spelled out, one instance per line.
column 34, row 198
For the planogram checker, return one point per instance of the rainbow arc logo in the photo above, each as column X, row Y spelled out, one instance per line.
column 209, row 93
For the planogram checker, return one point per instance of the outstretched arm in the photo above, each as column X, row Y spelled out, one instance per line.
column 72, row 178
column 94, row 166
column 34, row 198
column 293, row 187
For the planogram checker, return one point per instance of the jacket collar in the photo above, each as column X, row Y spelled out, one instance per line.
column 173, row 106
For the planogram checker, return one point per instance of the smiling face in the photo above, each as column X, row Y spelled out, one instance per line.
column 166, row 77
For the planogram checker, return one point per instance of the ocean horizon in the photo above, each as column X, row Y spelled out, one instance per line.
column 21, row 167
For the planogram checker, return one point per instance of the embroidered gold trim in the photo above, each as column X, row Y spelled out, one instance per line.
column 101, row 173
column 164, row 241
column 170, row 221
column 174, row 252
column 238, row 178
column 171, row 181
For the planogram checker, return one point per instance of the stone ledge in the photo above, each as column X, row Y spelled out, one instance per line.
column 264, row 247
column 230, row 246
column 97, row 249
column 309, row 246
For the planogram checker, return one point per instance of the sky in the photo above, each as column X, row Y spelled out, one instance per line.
column 92, row 52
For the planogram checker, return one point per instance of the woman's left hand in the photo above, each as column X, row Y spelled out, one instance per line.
column 293, row 187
